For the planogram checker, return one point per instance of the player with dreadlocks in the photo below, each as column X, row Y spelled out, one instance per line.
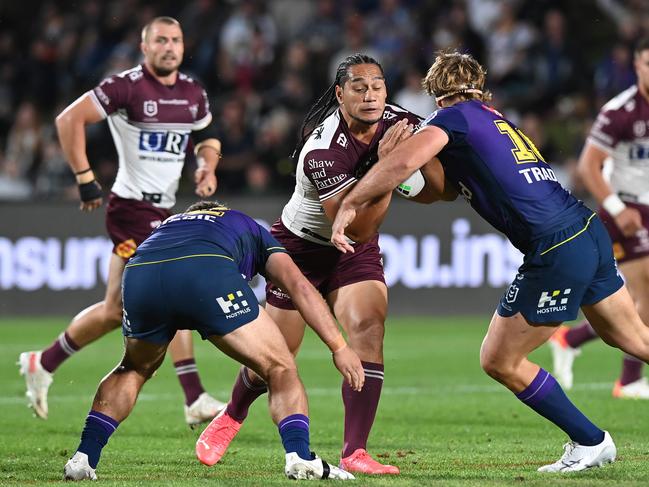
column 342, row 136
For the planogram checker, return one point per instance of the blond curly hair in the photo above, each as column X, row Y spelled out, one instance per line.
column 454, row 73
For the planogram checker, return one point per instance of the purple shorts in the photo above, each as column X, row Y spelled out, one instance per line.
column 628, row 248
column 325, row 267
column 130, row 222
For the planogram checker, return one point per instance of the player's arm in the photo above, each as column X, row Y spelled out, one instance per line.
column 208, row 155
column 591, row 163
column 281, row 269
column 437, row 187
column 71, row 128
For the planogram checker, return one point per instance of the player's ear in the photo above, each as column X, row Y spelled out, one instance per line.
column 339, row 95
column 143, row 47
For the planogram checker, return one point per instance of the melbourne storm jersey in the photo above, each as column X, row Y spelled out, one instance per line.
column 150, row 124
column 499, row 171
column 217, row 232
column 328, row 164
column 622, row 130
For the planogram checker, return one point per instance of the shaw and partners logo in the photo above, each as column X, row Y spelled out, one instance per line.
column 163, row 141
column 550, row 298
column 232, row 305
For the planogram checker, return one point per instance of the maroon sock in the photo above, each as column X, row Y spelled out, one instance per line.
column 58, row 352
column 360, row 408
column 631, row 369
column 189, row 380
column 244, row 393
column 580, row 334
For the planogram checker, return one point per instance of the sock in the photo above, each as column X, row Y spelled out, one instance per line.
column 360, row 408
column 189, row 380
column 294, row 430
column 95, row 435
column 244, row 394
column 58, row 352
column 631, row 369
column 580, row 334
column 545, row 396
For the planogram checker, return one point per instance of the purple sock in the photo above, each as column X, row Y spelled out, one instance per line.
column 631, row 369
column 59, row 351
column 294, row 430
column 95, row 435
column 360, row 408
column 244, row 394
column 189, row 380
column 580, row 334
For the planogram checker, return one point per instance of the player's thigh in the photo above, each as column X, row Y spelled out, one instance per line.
column 636, row 276
column 113, row 297
column 290, row 324
column 258, row 345
column 143, row 357
column 360, row 305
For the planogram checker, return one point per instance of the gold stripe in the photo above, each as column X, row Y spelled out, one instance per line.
column 570, row 238
column 209, row 212
column 183, row 257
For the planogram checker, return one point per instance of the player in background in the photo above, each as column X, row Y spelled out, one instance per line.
column 341, row 136
column 151, row 111
column 568, row 255
column 193, row 272
column 620, row 132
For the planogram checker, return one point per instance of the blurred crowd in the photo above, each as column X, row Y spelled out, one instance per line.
column 551, row 65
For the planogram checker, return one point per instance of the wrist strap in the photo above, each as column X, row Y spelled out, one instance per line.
column 79, row 173
column 613, row 205
column 338, row 344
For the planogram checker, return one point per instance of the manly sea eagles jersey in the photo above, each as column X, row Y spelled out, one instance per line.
column 622, row 130
column 150, row 124
column 329, row 163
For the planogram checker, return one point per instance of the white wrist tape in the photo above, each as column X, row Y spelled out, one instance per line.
column 613, row 205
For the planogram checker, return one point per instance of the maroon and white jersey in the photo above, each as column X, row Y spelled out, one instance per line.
column 326, row 166
column 150, row 124
column 622, row 130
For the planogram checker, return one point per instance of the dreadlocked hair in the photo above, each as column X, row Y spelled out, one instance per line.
column 327, row 103
column 454, row 73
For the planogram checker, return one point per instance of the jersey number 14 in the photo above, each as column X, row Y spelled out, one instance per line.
column 524, row 150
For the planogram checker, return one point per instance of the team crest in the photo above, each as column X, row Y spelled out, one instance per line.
column 193, row 109
column 150, row 108
column 512, row 293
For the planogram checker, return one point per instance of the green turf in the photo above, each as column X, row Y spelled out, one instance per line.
column 441, row 420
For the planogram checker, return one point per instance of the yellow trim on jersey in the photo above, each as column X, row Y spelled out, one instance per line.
column 183, row 257
column 570, row 238
column 209, row 212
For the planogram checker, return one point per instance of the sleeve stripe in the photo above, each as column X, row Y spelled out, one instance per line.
column 597, row 143
column 203, row 122
column 98, row 104
column 334, row 192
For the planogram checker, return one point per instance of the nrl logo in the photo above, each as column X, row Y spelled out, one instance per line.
column 150, row 108
column 193, row 109
column 512, row 293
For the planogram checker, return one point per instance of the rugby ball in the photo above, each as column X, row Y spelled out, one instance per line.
column 412, row 186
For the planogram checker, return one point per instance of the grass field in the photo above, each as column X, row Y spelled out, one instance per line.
column 441, row 419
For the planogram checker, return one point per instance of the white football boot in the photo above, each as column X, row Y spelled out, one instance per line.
column 38, row 381
column 299, row 469
column 78, row 468
column 578, row 457
column 563, row 356
column 203, row 409
column 638, row 389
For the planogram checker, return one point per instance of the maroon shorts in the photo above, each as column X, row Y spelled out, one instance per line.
column 325, row 267
column 130, row 222
column 628, row 248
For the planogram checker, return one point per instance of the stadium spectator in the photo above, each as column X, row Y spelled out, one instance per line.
column 619, row 132
column 568, row 257
column 151, row 110
column 198, row 264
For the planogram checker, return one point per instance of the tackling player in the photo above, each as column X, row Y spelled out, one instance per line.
column 151, row 111
column 192, row 272
column 621, row 132
column 568, row 257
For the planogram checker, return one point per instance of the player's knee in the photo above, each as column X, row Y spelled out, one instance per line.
column 280, row 369
column 496, row 368
column 369, row 332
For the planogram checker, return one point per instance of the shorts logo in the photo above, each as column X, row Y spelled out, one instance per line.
column 150, row 108
column 126, row 248
column 550, row 299
column 231, row 307
column 512, row 293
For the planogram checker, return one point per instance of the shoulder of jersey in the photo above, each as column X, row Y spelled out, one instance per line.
column 620, row 100
column 322, row 136
column 133, row 75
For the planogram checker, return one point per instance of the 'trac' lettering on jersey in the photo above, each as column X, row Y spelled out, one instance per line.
column 163, row 141
column 534, row 174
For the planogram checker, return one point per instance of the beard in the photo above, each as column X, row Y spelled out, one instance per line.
column 366, row 121
column 163, row 70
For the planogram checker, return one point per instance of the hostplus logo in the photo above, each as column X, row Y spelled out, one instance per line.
column 232, row 305
column 553, row 301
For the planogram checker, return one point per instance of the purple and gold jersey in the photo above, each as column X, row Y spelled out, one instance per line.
column 499, row 171
column 327, row 165
column 150, row 124
column 219, row 232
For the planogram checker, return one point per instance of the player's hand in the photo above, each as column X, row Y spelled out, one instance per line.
column 349, row 365
column 90, row 195
column 396, row 134
column 206, row 182
column 343, row 218
column 629, row 221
